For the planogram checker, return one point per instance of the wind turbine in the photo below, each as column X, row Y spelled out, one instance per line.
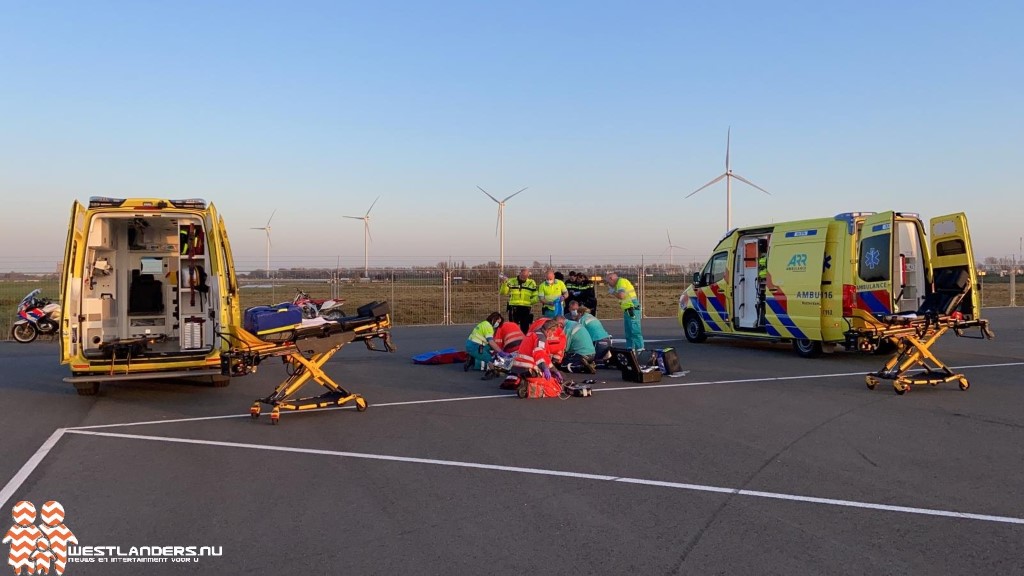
column 267, row 230
column 499, row 227
column 366, row 237
column 728, row 175
column 670, row 247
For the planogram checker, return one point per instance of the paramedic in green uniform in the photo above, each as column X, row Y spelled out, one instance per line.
column 552, row 293
column 622, row 290
column 480, row 343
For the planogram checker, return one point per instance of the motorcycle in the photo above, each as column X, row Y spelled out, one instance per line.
column 329, row 308
column 35, row 316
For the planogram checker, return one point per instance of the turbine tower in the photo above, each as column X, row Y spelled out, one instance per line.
column 366, row 238
column 728, row 175
column 670, row 248
column 499, row 228
column 267, row 230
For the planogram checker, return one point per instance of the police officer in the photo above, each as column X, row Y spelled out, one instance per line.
column 622, row 290
column 522, row 294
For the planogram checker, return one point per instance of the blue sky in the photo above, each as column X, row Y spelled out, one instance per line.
column 610, row 112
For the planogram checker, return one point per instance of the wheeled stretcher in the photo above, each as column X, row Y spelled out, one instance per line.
column 305, row 349
column 915, row 334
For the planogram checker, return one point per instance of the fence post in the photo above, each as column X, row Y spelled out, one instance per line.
column 394, row 307
column 1013, row 281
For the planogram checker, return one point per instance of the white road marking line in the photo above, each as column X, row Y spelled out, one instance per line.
column 577, row 475
column 29, row 466
column 492, row 396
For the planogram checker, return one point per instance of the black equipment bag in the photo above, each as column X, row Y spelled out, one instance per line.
column 642, row 368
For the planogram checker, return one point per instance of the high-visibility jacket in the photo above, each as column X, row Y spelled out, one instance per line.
column 762, row 267
column 594, row 327
column 555, row 342
column 578, row 340
column 483, row 332
column 550, row 293
column 508, row 334
column 519, row 292
column 623, row 286
column 532, row 355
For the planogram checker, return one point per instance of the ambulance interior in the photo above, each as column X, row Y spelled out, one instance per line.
column 748, row 286
column 147, row 277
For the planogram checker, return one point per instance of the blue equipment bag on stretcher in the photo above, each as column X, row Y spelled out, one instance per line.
column 263, row 320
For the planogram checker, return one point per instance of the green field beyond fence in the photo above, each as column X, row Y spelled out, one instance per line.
column 445, row 297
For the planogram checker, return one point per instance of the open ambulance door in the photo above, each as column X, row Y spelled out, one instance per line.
column 951, row 248
column 796, row 259
column 874, row 277
column 230, row 311
column 71, row 286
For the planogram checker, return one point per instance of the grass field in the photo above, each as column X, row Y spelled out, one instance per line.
column 423, row 300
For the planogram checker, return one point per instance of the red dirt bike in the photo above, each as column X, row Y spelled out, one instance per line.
column 329, row 308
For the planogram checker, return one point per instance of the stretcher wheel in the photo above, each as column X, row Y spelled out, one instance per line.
column 361, row 404
column 522, row 390
column 964, row 384
column 254, row 410
column 900, row 389
column 275, row 416
column 871, row 382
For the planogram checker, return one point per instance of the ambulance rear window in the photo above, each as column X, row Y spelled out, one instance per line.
column 950, row 248
column 874, row 259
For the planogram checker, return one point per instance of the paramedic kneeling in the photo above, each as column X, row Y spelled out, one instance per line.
column 481, row 342
column 508, row 336
column 622, row 290
column 533, row 364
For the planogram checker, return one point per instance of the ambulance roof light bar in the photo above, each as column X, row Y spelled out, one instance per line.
column 194, row 203
column 105, row 202
column 851, row 219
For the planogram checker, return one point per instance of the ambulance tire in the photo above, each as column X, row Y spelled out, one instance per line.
column 807, row 348
column 693, row 327
column 87, row 388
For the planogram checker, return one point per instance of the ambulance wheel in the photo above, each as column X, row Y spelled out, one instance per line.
column 219, row 381
column 694, row 328
column 964, row 384
column 361, row 404
column 807, row 348
column 87, row 388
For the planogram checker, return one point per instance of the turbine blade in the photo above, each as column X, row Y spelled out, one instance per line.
column 271, row 216
column 372, row 205
column 269, row 243
column 353, row 217
column 367, row 226
column 489, row 195
column 669, row 236
column 259, row 228
column 497, row 221
column 507, row 198
column 748, row 182
column 706, row 185
column 728, row 139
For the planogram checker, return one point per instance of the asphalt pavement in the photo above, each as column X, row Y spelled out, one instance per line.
column 755, row 461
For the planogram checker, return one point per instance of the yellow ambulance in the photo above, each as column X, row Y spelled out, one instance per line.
column 823, row 282
column 148, row 291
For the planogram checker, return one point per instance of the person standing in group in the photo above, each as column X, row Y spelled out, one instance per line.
column 522, row 294
column 587, row 295
column 622, row 290
column 551, row 293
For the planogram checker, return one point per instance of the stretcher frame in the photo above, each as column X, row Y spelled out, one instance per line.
column 305, row 350
column 914, row 338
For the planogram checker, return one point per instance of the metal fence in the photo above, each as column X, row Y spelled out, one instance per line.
column 461, row 295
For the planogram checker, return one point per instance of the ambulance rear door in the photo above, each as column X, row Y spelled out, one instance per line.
column 230, row 309
column 951, row 248
column 874, row 269
column 796, row 258
column 71, row 284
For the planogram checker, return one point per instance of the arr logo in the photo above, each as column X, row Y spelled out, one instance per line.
column 36, row 549
column 798, row 263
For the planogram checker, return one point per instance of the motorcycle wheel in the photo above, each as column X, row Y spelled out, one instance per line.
column 24, row 333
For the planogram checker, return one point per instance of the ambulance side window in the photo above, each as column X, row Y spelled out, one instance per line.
column 874, row 259
column 714, row 270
